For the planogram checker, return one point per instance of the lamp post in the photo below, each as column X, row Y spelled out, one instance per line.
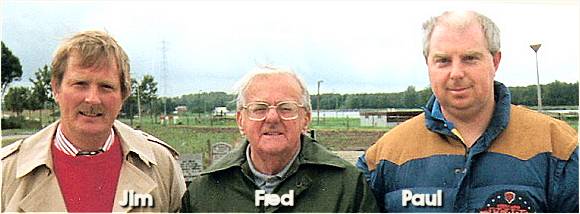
column 318, row 104
column 536, row 47
column 200, row 111
column 139, row 105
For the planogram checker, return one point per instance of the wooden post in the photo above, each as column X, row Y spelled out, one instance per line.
column 209, row 151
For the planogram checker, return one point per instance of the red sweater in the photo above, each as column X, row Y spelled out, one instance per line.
column 88, row 183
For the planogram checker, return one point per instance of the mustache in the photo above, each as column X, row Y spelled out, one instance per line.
column 272, row 128
column 91, row 109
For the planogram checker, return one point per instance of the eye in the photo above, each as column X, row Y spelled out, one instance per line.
column 257, row 107
column 442, row 60
column 287, row 107
column 470, row 58
column 79, row 84
column 108, row 87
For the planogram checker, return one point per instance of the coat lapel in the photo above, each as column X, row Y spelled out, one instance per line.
column 131, row 178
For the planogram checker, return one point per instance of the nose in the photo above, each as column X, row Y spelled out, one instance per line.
column 457, row 71
column 92, row 96
column 272, row 116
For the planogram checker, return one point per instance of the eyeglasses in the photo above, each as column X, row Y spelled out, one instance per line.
column 287, row 110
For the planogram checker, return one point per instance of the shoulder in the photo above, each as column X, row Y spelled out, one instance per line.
column 539, row 132
column 400, row 144
column 406, row 134
column 140, row 141
column 35, row 142
column 210, row 183
column 312, row 153
column 9, row 156
column 161, row 145
column 10, row 150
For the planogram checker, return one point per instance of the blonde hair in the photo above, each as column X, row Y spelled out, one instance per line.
column 94, row 48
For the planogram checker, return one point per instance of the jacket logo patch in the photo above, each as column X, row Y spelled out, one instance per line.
column 509, row 197
column 508, row 201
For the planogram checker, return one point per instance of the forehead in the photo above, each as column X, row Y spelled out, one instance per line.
column 76, row 65
column 273, row 88
column 451, row 38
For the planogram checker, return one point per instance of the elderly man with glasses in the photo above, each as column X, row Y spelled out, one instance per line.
column 278, row 168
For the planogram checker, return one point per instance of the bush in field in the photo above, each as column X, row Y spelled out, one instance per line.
column 19, row 123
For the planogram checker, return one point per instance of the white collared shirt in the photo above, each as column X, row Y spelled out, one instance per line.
column 65, row 146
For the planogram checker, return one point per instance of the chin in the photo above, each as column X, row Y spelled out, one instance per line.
column 95, row 128
column 272, row 148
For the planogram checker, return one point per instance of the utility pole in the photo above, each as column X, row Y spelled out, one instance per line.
column 536, row 47
column 318, row 104
column 164, row 79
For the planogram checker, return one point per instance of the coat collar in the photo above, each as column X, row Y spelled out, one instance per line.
column 35, row 150
column 46, row 195
column 499, row 120
column 311, row 153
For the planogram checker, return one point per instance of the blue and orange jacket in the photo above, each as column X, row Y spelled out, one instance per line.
column 524, row 161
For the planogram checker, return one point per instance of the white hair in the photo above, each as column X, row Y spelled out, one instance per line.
column 267, row 70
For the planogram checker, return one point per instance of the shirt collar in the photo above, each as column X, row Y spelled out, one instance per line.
column 438, row 114
column 65, row 146
column 260, row 178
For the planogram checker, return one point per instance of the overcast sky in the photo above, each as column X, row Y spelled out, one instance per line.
column 353, row 46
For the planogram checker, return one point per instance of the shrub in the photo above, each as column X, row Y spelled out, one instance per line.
column 19, row 123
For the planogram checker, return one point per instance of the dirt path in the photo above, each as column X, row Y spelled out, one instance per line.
column 350, row 156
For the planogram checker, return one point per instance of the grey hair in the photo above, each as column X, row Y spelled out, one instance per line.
column 490, row 30
column 266, row 70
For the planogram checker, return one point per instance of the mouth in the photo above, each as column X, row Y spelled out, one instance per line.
column 90, row 113
column 272, row 133
column 458, row 89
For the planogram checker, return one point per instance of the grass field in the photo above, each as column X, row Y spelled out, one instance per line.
column 191, row 134
column 332, row 132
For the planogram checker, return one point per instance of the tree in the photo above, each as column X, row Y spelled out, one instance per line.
column 11, row 68
column 148, row 91
column 41, row 92
column 410, row 98
column 130, row 107
column 16, row 99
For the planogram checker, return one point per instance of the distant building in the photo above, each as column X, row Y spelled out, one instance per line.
column 181, row 109
column 387, row 118
column 220, row 111
column 375, row 119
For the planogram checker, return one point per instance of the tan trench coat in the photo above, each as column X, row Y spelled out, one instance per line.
column 149, row 166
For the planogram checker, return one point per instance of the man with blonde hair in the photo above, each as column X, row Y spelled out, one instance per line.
column 88, row 161
column 472, row 150
column 278, row 168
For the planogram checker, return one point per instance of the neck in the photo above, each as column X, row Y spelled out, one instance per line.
column 470, row 123
column 270, row 164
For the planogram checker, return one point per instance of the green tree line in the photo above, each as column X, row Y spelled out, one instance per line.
column 18, row 99
column 553, row 94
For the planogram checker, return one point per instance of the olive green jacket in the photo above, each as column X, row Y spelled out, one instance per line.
column 322, row 182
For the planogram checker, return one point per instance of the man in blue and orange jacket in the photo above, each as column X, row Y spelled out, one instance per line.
column 472, row 150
